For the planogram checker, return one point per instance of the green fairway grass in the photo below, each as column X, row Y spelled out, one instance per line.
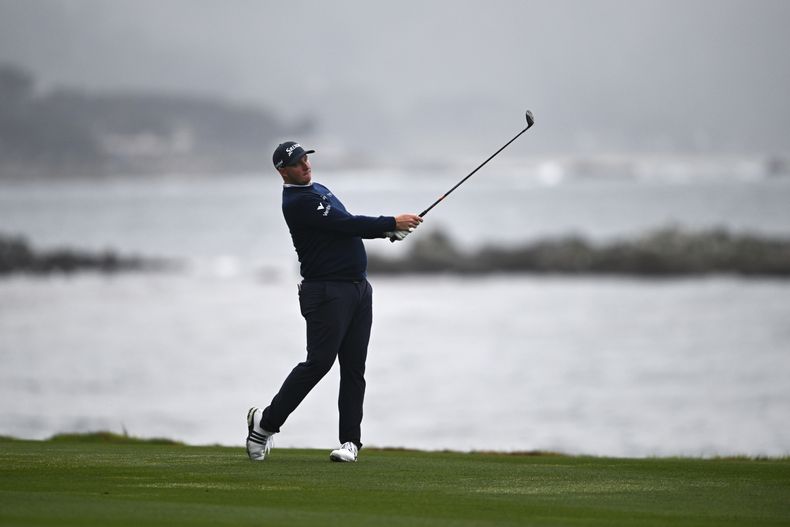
column 109, row 480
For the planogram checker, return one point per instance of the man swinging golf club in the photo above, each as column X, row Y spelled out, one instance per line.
column 335, row 299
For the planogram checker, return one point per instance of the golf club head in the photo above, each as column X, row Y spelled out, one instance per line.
column 530, row 119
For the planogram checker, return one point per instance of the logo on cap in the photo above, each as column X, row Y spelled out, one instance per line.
column 287, row 153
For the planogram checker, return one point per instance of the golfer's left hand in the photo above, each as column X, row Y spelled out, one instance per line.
column 396, row 236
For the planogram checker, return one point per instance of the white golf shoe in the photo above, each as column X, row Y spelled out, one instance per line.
column 259, row 441
column 346, row 453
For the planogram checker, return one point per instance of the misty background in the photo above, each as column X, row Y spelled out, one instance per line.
column 398, row 82
column 614, row 283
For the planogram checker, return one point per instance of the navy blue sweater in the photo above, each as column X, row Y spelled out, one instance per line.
column 327, row 239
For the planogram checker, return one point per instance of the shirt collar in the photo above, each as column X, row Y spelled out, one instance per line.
column 289, row 185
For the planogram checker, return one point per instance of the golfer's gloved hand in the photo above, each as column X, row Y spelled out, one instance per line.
column 397, row 235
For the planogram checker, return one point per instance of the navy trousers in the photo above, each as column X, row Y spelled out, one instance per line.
column 339, row 316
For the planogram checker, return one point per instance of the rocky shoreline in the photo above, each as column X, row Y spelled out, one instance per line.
column 668, row 251
column 17, row 256
column 663, row 252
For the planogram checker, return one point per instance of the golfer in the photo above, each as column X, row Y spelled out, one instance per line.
column 335, row 299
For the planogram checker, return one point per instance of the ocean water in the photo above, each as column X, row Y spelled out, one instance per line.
column 606, row 366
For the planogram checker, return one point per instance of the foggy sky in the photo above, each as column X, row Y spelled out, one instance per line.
column 442, row 77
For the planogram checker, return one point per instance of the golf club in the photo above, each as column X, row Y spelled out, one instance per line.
column 530, row 122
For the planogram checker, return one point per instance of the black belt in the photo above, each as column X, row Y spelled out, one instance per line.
column 348, row 281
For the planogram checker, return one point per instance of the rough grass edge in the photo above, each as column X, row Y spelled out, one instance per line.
column 98, row 437
column 103, row 436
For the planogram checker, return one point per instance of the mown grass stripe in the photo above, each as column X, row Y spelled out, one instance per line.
column 122, row 483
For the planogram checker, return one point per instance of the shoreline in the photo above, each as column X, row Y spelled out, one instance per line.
column 663, row 252
column 666, row 252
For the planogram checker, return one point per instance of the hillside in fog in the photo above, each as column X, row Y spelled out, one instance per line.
column 76, row 132
column 417, row 81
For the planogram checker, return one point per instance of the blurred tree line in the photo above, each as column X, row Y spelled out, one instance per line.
column 72, row 132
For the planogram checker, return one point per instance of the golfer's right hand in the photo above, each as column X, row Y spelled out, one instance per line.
column 405, row 222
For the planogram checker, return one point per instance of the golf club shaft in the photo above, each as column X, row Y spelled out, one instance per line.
column 530, row 122
column 423, row 213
